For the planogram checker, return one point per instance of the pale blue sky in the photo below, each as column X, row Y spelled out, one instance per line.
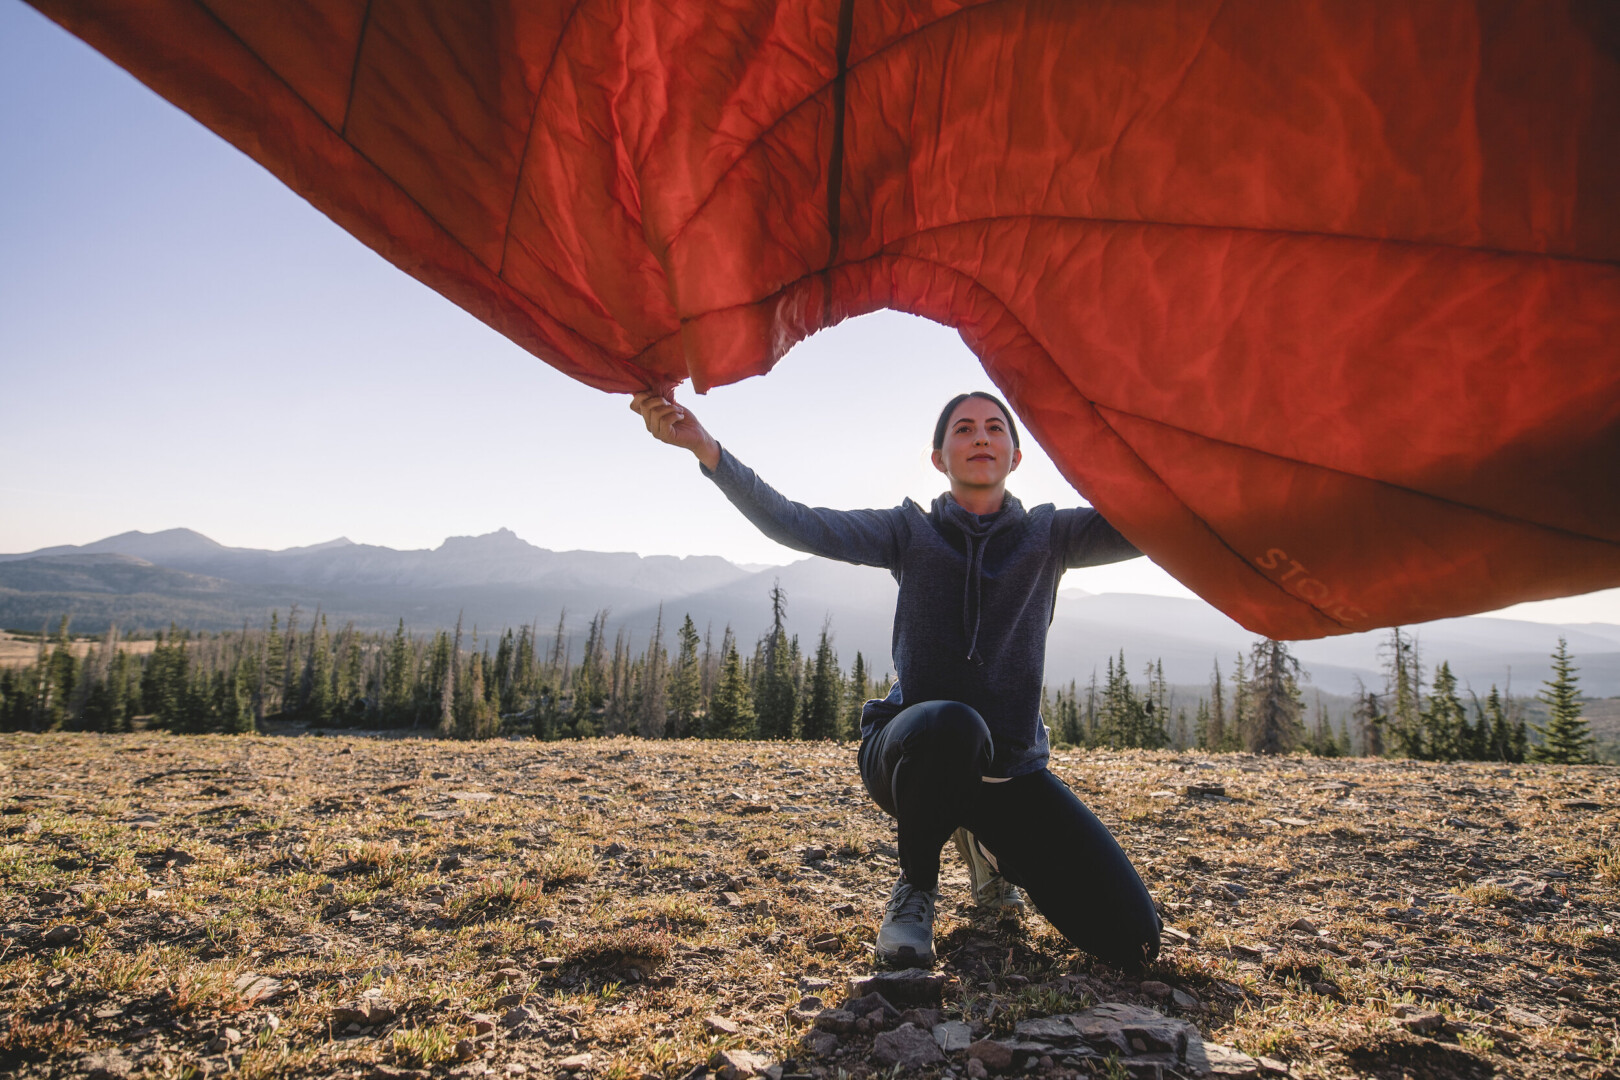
column 183, row 341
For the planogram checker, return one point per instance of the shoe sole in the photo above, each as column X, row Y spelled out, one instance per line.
column 906, row 957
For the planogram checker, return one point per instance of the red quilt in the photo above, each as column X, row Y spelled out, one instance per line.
column 1317, row 300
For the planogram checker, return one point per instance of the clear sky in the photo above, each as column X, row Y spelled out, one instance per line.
column 184, row 342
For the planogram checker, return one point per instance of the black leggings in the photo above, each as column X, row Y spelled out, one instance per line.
column 924, row 768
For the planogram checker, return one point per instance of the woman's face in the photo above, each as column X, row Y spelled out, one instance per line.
column 978, row 450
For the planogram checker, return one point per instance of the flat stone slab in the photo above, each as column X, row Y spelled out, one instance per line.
column 912, row 986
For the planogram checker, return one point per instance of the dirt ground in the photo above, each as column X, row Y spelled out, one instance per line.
column 390, row 907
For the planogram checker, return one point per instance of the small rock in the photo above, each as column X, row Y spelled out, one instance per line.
column 821, row 1043
column 990, row 1055
column 106, row 1065
column 1183, row 1000
column 814, row 854
column 1213, row 1059
column 517, row 1017
column 1571, row 1018
column 976, row 1069
column 907, row 1046
column 364, row 1012
column 834, row 1021
column 953, row 1035
column 1156, row 990
column 730, row 900
column 827, row 943
column 719, row 1025
column 482, row 1025
column 1056, row 1030
column 1420, row 1021
column 506, row 975
column 466, row 1049
column 1199, row 791
column 923, row 1018
column 1525, row 1018
column 66, row 934
column 738, row 1064
column 1114, row 1027
column 1274, row 1067
column 875, row 1009
column 549, row 963
column 575, row 1063
column 253, row 988
column 844, row 909
column 913, row 986
column 509, row 1001
column 1305, row 926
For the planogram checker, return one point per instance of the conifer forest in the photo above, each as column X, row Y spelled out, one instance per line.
column 688, row 683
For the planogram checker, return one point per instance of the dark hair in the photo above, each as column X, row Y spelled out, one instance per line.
column 950, row 407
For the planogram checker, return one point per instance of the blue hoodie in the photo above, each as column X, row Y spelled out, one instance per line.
column 976, row 595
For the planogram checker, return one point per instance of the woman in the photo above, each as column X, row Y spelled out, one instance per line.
column 958, row 746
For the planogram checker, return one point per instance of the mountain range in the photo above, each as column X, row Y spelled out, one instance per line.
column 148, row 580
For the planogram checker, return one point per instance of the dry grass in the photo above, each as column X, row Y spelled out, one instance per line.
column 624, row 891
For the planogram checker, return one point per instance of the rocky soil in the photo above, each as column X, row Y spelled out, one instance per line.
column 620, row 909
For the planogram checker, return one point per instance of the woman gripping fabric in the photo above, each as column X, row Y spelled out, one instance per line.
column 958, row 749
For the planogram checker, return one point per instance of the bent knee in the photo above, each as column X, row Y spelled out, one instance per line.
column 954, row 730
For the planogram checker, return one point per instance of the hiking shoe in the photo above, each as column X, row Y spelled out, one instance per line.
column 906, row 938
column 990, row 889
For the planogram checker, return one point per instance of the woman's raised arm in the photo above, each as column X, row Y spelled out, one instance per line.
column 866, row 537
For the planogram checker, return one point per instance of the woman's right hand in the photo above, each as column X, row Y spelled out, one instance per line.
column 675, row 424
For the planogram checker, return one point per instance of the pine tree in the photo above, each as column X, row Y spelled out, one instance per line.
column 274, row 673
column 447, row 687
column 320, row 704
column 731, row 710
column 653, row 707
column 61, row 673
column 350, row 697
column 1565, row 740
column 1274, row 725
column 1322, row 742
column 475, row 714
column 1446, row 733
column 1215, row 737
column 1239, row 722
column 1499, row 742
column 1403, row 685
column 821, row 703
column 397, row 681
column 685, row 685
column 859, row 690
column 775, row 699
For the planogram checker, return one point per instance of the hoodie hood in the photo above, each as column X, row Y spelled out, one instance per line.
column 949, row 515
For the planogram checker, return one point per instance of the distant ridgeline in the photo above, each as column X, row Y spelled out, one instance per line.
column 683, row 684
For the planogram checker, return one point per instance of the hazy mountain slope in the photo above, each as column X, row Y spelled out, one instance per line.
column 147, row 580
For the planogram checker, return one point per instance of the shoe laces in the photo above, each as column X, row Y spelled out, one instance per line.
column 910, row 904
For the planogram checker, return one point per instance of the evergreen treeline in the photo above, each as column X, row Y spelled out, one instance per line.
column 692, row 686
column 678, row 685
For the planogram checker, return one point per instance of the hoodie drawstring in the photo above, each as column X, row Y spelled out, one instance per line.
column 972, row 594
